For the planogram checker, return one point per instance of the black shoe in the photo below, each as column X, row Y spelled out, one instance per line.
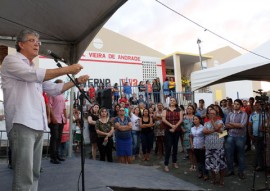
column 54, row 161
column 60, row 159
column 241, row 176
column 229, row 174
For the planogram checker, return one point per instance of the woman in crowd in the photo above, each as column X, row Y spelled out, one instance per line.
column 166, row 91
column 186, row 129
column 141, row 107
column 148, row 90
column 208, row 109
column 104, row 129
column 172, row 86
column 123, row 127
column 115, row 91
column 159, row 130
column 156, row 91
column 115, row 112
column 151, row 112
column 181, row 132
column 141, row 88
column 136, row 131
column 146, row 124
column 76, row 104
column 133, row 100
column 152, row 109
column 198, row 147
column 77, row 128
column 220, row 113
column 215, row 159
column 172, row 118
column 124, row 100
column 91, row 91
column 92, row 118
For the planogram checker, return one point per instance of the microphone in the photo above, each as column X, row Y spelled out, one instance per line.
column 55, row 57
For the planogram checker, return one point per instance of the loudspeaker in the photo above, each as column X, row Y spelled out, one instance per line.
column 104, row 98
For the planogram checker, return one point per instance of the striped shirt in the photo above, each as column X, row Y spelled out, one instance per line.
column 237, row 117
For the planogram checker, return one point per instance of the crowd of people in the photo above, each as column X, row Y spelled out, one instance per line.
column 213, row 139
column 150, row 91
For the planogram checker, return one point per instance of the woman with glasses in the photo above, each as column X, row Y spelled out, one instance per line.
column 123, row 127
column 104, row 129
column 172, row 119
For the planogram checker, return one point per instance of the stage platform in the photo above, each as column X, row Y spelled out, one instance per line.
column 100, row 176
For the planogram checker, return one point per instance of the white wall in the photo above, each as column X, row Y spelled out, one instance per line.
column 207, row 97
column 240, row 89
column 112, row 66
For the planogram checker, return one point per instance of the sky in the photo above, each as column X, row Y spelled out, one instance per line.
column 244, row 22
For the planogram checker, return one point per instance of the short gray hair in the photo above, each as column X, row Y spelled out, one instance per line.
column 21, row 37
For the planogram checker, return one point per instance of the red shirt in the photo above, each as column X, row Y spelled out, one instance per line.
column 172, row 117
column 65, row 135
column 125, row 100
column 46, row 99
column 91, row 92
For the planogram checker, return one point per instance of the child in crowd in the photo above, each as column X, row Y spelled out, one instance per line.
column 198, row 146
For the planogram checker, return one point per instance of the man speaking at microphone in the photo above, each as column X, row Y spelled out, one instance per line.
column 24, row 106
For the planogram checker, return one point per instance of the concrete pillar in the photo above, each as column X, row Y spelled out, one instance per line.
column 177, row 72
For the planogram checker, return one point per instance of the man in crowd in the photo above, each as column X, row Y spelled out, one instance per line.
column 58, row 120
column 255, row 130
column 223, row 105
column 201, row 110
column 230, row 104
column 236, row 125
column 249, row 109
column 24, row 106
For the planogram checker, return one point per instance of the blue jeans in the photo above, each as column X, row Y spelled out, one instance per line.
column 136, row 141
column 238, row 144
column 26, row 146
column 171, row 143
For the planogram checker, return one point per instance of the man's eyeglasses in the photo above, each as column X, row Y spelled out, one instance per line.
column 33, row 41
column 121, row 110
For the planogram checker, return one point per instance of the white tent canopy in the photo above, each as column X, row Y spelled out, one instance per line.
column 245, row 67
column 66, row 27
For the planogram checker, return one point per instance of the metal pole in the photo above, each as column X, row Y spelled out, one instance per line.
column 70, row 148
column 200, row 54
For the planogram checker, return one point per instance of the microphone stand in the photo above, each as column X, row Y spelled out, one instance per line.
column 262, row 121
column 82, row 97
